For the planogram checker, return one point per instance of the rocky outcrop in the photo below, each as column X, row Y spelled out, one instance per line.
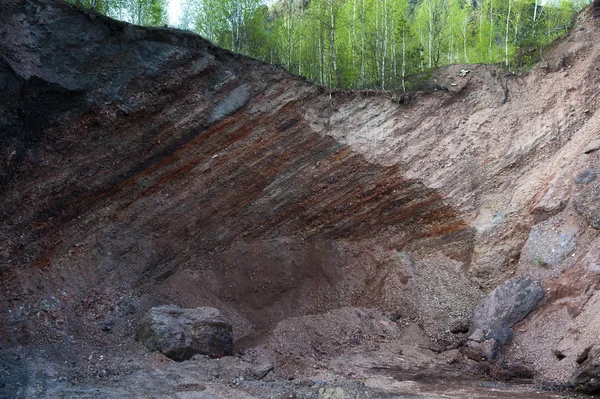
column 587, row 376
column 550, row 242
column 183, row 333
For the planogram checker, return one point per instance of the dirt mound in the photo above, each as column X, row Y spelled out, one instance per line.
column 149, row 168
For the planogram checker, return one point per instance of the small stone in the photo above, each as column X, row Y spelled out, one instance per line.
column 106, row 327
column 460, row 327
column 586, row 177
column 488, row 349
column 593, row 146
column 477, row 336
column 262, row 370
column 558, row 354
column 510, row 371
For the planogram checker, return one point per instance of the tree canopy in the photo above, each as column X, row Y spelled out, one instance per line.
column 355, row 44
column 139, row 12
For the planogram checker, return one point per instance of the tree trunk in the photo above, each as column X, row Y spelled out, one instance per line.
column 491, row 28
column 403, row 60
column 430, row 34
column 363, row 72
column 384, row 54
column 464, row 35
column 332, row 44
column 507, row 26
column 353, row 45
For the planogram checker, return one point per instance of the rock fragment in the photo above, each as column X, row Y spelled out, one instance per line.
column 182, row 333
column 586, row 177
column 587, row 376
column 486, row 350
column 587, row 203
column 260, row 371
column 508, row 304
column 593, row 146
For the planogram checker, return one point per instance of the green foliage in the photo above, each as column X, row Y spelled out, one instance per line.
column 389, row 44
column 369, row 44
column 540, row 262
column 140, row 12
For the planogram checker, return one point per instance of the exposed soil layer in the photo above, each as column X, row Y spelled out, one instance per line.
column 148, row 167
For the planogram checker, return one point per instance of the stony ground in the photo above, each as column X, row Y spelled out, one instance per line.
column 397, row 364
column 347, row 236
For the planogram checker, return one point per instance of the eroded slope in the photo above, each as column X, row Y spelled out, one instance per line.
column 149, row 167
column 196, row 168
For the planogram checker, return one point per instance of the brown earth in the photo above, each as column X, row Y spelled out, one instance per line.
column 346, row 236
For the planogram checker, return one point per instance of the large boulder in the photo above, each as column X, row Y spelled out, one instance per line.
column 182, row 333
column 587, row 376
column 492, row 321
column 507, row 305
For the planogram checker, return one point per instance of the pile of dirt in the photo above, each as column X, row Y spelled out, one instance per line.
column 333, row 229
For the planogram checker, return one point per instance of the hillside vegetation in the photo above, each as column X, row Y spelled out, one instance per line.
column 356, row 44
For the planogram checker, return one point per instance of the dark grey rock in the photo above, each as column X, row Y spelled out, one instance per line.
column 586, row 177
column 487, row 346
column 500, row 335
column 506, row 305
column 583, row 355
column 587, row 203
column 232, row 103
column 182, row 333
column 587, row 376
column 260, row 371
column 486, row 350
column 477, row 336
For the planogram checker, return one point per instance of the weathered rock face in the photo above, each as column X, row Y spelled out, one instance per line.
column 505, row 306
column 587, row 376
column 182, row 333
column 550, row 242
